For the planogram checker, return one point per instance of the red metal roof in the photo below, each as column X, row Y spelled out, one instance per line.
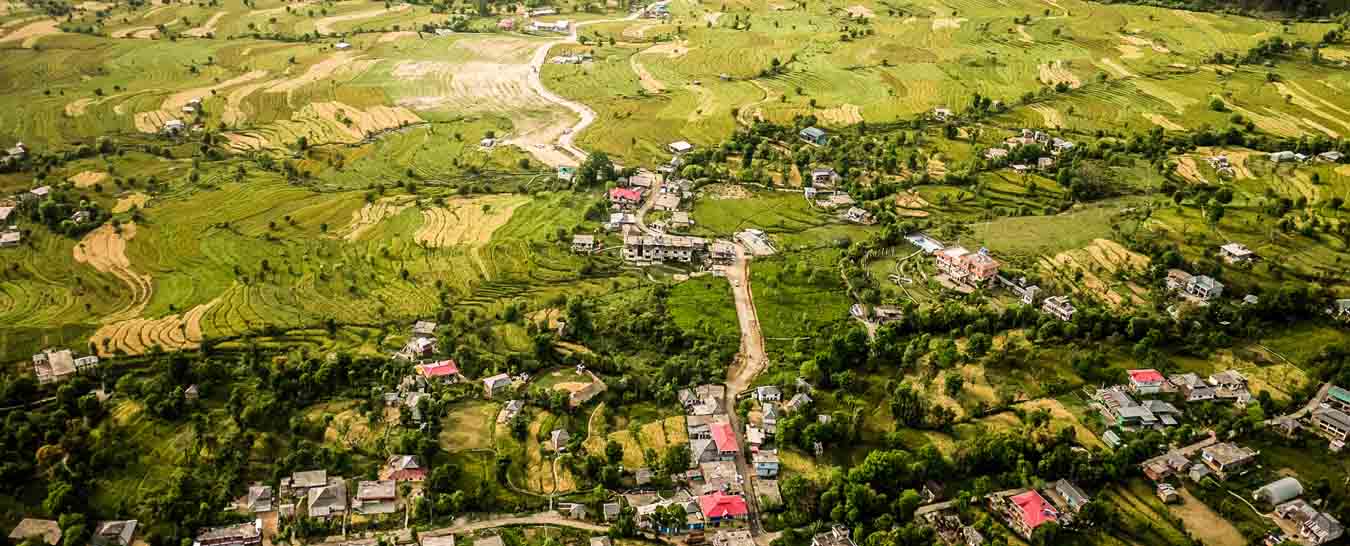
column 1035, row 510
column 438, row 369
column 724, row 437
column 624, row 193
column 1145, row 376
column 720, row 505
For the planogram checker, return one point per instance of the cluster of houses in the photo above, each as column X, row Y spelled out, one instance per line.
column 1329, row 419
column 575, row 58
column 10, row 236
column 964, row 271
column 57, row 365
column 106, row 533
column 1027, row 137
column 1287, row 156
column 1297, row 518
column 1201, row 289
column 1026, row 509
column 1120, row 409
column 823, row 191
column 14, row 155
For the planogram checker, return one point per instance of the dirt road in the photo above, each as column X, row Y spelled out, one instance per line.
column 542, row 518
column 752, row 359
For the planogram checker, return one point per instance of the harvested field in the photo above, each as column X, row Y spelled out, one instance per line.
column 28, row 35
column 911, row 201
column 1189, row 170
column 395, row 36
column 649, row 82
column 105, row 249
column 844, row 114
column 134, row 200
column 1056, row 73
column 86, row 179
column 1162, row 121
column 1178, row 101
column 325, row 122
column 1099, row 262
column 1139, row 42
column 725, row 191
column 469, row 426
column 468, row 222
column 1314, row 105
column 372, row 214
column 139, row 335
column 1023, row 35
column 325, row 25
column 342, row 63
column 77, row 107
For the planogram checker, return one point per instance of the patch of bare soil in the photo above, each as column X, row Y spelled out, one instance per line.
column 860, row 12
column 28, row 35
column 134, row 200
column 1056, row 73
column 844, row 114
column 87, row 179
column 1189, row 170
column 209, row 27
column 1162, row 121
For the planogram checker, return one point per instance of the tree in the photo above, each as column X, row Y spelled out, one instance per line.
column 953, row 384
column 595, row 169
column 614, row 452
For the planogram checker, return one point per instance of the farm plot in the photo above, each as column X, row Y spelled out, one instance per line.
column 105, row 249
column 469, row 426
column 466, row 222
column 1102, row 264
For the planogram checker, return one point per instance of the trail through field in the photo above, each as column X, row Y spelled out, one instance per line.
column 209, row 27
column 860, row 12
column 706, row 102
column 649, row 82
column 565, row 151
column 1024, row 35
column 340, row 64
column 1139, row 43
column 368, row 216
column 468, row 222
column 86, row 179
column 325, row 25
column 747, row 114
column 1162, row 121
column 135, row 200
column 28, row 35
column 105, row 249
column 139, row 335
column 1056, row 73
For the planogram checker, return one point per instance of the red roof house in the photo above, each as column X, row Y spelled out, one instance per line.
column 403, row 468
column 441, row 370
column 725, row 439
column 718, row 506
column 1032, row 511
column 1145, row 381
column 624, row 196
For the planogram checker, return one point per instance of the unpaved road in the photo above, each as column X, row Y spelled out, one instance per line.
column 751, row 360
column 542, row 518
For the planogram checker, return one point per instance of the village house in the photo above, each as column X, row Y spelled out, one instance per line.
column 1282, row 156
column 298, row 484
column 1145, row 381
column 242, row 534
column 173, row 127
column 47, row 530
column 1227, row 459
column 1200, row 286
column 541, row 12
column 798, row 401
column 444, row 371
column 838, row 535
column 558, row 440
column 813, row 135
column 584, row 244
column 1332, row 424
column 260, row 498
column 680, row 147
column 1118, row 409
column 1059, row 307
column 666, row 202
column 114, row 533
column 1235, row 253
column 647, row 514
column 342, row 46
column 611, row 511
column 10, row 239
column 662, row 248
column 754, row 435
column 506, row 24
column 1025, row 511
column 718, row 476
column 5, row 212
column 510, row 410
column 566, row 173
column 1278, row 491
column 1045, row 163
column 766, row 464
column 680, row 220
column 416, row 348
column 328, row 500
column 859, row 216
column 14, row 154
column 36, row 194
column 1192, row 387
column 1168, row 494
column 718, row 507
column 1338, row 398
column 725, row 439
column 1059, row 145
column 703, row 399
column 941, row 114
column 962, row 266
column 1111, row 439
column 624, row 198
column 768, row 393
column 824, row 177
column 403, row 468
column 496, row 385
column 375, row 497
column 769, row 418
column 556, row 26
column 1230, row 385
column 619, row 220
column 1331, row 156
column 1067, row 496
column 52, row 366
column 995, row 153
column 1314, row 527
column 721, row 252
